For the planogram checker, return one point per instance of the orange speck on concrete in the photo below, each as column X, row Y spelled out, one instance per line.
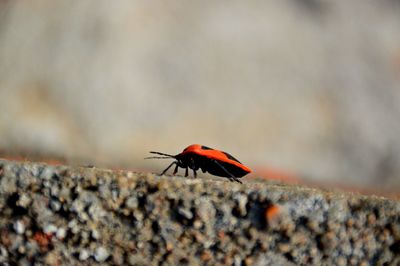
column 272, row 212
column 42, row 239
column 206, row 255
column 221, row 235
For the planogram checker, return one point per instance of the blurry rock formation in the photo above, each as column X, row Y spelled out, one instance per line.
column 312, row 87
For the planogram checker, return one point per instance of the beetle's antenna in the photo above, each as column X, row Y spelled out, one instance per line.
column 168, row 156
column 156, row 157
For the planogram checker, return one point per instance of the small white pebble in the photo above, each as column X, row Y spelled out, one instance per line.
column 241, row 199
column 47, row 173
column 74, row 226
column 132, row 203
column 95, row 234
column 237, row 260
column 19, row 227
column 55, row 205
column 61, row 233
column 3, row 252
column 72, row 223
column 207, row 244
column 83, row 216
column 197, row 224
column 101, row 254
column 22, row 249
column 50, row 228
column 185, row 213
column 84, row 254
column 24, row 201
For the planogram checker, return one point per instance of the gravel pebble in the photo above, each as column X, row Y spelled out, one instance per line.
column 24, row 200
column 55, row 205
column 95, row 234
column 61, row 233
column 84, row 254
column 101, row 254
column 132, row 203
column 241, row 200
column 50, row 229
column 185, row 213
column 19, row 227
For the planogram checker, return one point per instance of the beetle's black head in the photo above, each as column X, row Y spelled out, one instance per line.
column 181, row 161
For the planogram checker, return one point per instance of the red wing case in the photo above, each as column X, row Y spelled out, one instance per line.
column 216, row 162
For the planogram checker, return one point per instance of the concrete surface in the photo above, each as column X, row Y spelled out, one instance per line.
column 62, row 215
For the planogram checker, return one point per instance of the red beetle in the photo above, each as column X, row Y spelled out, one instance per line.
column 215, row 162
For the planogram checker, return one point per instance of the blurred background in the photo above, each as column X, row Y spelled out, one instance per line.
column 306, row 87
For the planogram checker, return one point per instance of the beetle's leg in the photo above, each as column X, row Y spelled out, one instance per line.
column 237, row 180
column 223, row 168
column 169, row 166
column 232, row 177
column 187, row 171
column 193, row 167
column 176, row 169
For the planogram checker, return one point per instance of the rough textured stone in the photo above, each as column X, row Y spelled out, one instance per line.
column 123, row 218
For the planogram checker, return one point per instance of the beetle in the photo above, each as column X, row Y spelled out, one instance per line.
column 209, row 160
